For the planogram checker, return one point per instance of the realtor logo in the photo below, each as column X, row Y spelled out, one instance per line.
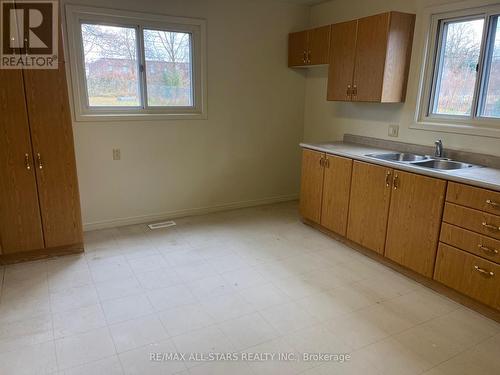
column 29, row 37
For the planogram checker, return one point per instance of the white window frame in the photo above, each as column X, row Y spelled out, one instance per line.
column 425, row 120
column 76, row 15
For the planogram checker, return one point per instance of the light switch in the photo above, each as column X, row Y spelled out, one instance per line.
column 117, row 154
column 393, row 130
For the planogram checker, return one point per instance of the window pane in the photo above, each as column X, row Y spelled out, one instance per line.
column 168, row 68
column 457, row 67
column 491, row 95
column 111, row 67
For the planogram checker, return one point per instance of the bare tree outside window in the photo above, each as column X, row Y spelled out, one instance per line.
column 491, row 98
column 168, row 68
column 458, row 67
column 462, row 78
column 111, row 65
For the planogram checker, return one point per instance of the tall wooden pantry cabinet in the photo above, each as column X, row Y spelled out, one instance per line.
column 39, row 200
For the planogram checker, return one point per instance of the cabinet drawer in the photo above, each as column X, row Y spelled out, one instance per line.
column 474, row 243
column 470, row 275
column 473, row 197
column 473, row 220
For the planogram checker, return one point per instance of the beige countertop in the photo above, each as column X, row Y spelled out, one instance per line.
column 484, row 177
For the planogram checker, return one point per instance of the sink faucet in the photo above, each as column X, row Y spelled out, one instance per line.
column 438, row 151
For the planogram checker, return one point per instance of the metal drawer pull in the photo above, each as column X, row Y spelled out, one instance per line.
column 489, row 226
column 40, row 163
column 27, row 162
column 395, row 182
column 484, row 272
column 492, row 203
column 388, row 179
column 487, row 249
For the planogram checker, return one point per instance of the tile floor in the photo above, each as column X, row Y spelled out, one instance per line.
column 254, row 280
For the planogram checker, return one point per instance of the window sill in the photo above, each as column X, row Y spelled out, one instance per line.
column 139, row 117
column 478, row 130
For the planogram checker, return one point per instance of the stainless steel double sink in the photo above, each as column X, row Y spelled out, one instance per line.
column 422, row 161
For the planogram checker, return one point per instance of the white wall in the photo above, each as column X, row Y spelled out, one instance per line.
column 330, row 120
column 246, row 152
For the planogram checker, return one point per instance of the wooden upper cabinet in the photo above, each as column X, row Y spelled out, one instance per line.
column 381, row 59
column 371, row 47
column 414, row 221
column 53, row 151
column 341, row 69
column 311, row 189
column 336, row 190
column 369, row 205
column 297, row 48
column 319, row 45
column 309, row 47
column 20, row 223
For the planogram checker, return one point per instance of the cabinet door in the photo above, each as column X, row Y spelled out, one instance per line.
column 20, row 224
column 469, row 274
column 341, row 70
column 311, row 188
column 52, row 136
column 297, row 48
column 371, row 48
column 336, row 190
column 369, row 205
column 414, row 221
column 319, row 45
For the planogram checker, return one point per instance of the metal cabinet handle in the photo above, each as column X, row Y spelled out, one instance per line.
column 304, row 57
column 388, row 179
column 39, row 159
column 484, row 272
column 487, row 249
column 322, row 161
column 27, row 162
column 349, row 90
column 327, row 162
column 309, row 57
column 490, row 226
column 395, row 181
column 355, row 90
column 492, row 203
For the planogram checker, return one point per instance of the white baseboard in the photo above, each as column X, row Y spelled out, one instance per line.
column 120, row 222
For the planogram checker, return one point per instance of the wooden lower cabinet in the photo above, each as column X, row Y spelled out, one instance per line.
column 52, row 136
column 311, row 187
column 369, row 205
column 336, row 191
column 471, row 219
column 473, row 276
column 404, row 217
column 474, row 243
column 474, row 197
column 39, row 200
column 414, row 221
column 20, row 222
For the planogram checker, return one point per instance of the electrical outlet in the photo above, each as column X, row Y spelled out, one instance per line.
column 393, row 130
column 117, row 154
